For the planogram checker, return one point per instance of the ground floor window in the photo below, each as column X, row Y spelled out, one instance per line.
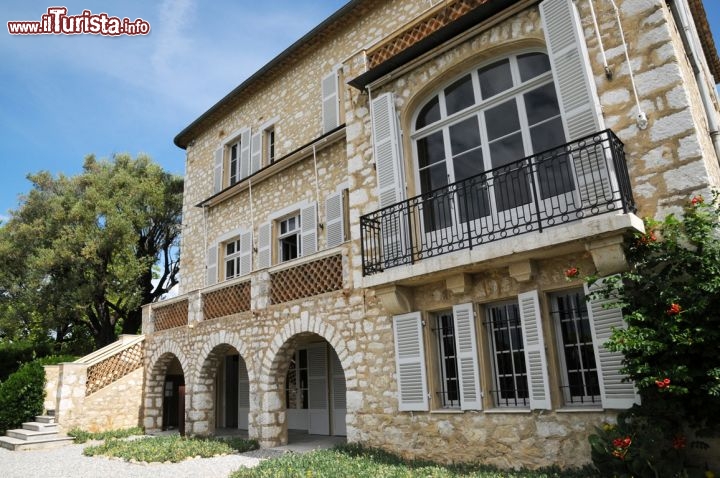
column 444, row 329
column 510, row 385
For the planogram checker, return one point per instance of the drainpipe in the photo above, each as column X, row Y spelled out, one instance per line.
column 680, row 11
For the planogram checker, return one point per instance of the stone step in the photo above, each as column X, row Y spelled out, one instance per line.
column 30, row 435
column 18, row 445
column 40, row 427
column 49, row 418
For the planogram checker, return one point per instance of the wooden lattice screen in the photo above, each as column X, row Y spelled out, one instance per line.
column 113, row 368
column 423, row 29
column 171, row 315
column 305, row 280
column 226, row 301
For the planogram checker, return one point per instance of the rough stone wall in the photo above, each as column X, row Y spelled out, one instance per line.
column 52, row 374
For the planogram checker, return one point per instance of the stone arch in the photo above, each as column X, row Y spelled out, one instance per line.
column 210, row 353
column 270, row 425
column 158, row 365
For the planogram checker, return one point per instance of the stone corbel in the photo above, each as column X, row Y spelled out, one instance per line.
column 523, row 271
column 396, row 299
column 608, row 255
column 459, row 283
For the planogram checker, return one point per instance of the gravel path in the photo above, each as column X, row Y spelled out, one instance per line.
column 69, row 462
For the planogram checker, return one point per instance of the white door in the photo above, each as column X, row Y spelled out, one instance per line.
column 319, row 414
column 337, row 395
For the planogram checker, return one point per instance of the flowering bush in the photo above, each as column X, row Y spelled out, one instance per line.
column 671, row 302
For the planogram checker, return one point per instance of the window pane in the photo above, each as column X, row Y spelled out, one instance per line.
column 541, row 103
column 459, row 95
column 230, row 248
column 429, row 113
column 433, row 177
column 464, row 135
column 430, row 149
column 495, row 78
column 532, row 65
column 229, row 269
column 507, row 150
column 553, row 169
column 502, row 120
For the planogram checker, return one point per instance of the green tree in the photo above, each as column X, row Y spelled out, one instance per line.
column 85, row 252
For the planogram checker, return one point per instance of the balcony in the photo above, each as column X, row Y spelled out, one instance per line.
column 573, row 182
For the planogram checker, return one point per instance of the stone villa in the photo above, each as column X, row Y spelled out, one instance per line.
column 377, row 225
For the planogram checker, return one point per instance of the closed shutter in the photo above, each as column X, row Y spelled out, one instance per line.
column 243, row 395
column 410, row 362
column 330, row 103
column 256, row 153
column 318, row 390
column 339, row 401
column 466, row 349
column 308, row 229
column 245, row 153
column 535, row 360
column 335, row 219
column 246, row 244
column 578, row 98
column 212, row 260
column 264, row 245
column 218, row 171
column 616, row 390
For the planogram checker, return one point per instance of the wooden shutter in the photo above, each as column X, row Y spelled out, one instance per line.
column 616, row 391
column 243, row 395
column 318, row 390
column 386, row 147
column 335, row 219
column 308, row 229
column 218, row 171
column 212, row 261
column 256, row 153
column 577, row 96
column 339, row 400
column 246, row 245
column 535, row 359
column 264, row 245
column 466, row 350
column 330, row 102
column 245, row 153
column 410, row 362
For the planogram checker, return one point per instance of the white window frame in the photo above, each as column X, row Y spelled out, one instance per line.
column 234, row 258
column 442, row 335
column 281, row 236
column 235, row 139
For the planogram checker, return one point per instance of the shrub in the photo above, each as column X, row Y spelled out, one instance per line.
column 14, row 354
column 81, row 436
column 21, row 396
column 160, row 449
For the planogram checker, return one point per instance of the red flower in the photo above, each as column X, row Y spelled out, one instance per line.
column 572, row 272
column 664, row 383
column 647, row 238
column 617, row 443
column 679, row 442
column 697, row 200
column 674, row 309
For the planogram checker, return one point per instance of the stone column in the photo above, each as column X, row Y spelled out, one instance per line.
column 195, row 307
column 70, row 394
column 148, row 322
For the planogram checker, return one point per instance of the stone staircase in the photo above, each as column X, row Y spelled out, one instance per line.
column 41, row 434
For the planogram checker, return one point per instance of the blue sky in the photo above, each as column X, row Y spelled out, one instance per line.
column 64, row 97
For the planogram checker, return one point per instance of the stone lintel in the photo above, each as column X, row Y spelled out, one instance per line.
column 523, row 271
column 459, row 283
column 396, row 299
column 608, row 255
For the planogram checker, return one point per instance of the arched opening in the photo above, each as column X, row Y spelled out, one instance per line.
column 313, row 387
column 222, row 394
column 165, row 395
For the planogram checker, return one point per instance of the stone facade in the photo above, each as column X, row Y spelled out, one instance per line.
column 670, row 159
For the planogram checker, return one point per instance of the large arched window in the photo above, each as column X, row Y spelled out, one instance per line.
column 481, row 126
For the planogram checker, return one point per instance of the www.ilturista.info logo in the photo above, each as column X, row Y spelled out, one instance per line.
column 57, row 22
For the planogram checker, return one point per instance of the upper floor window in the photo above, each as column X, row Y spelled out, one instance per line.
column 270, row 145
column 234, row 151
column 289, row 245
column 482, row 125
column 232, row 258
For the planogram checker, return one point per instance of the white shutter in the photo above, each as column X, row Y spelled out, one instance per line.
column 212, row 260
column 466, row 350
column 243, row 395
column 410, row 362
column 330, row 102
column 264, row 245
column 245, row 154
column 339, row 401
column 577, row 96
column 535, row 359
column 308, row 229
column 246, row 244
column 218, row 171
column 386, row 147
column 616, row 391
column 256, row 153
column 318, row 390
column 335, row 219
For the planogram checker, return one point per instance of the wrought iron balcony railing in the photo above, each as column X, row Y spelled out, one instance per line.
column 587, row 177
